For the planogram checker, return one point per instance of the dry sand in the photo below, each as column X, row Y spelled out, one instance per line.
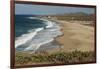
column 76, row 36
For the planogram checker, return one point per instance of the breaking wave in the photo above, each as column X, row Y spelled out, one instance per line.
column 39, row 37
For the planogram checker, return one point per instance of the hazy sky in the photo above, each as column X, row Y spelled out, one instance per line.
column 43, row 9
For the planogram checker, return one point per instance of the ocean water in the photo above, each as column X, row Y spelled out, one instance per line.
column 35, row 34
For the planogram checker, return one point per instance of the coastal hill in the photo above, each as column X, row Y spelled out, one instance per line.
column 72, row 16
column 87, row 19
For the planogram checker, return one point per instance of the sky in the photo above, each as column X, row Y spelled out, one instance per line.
column 27, row 9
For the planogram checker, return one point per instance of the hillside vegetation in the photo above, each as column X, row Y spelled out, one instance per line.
column 54, row 58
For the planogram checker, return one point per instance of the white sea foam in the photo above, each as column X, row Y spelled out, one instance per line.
column 34, row 39
column 25, row 37
column 34, row 47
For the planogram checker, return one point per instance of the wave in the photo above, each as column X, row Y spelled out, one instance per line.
column 35, row 47
column 25, row 37
column 33, row 40
column 47, row 22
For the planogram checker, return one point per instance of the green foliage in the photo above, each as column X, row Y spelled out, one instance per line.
column 59, row 57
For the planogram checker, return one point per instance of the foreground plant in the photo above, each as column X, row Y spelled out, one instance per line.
column 55, row 58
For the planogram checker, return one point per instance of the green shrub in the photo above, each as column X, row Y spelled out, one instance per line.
column 59, row 57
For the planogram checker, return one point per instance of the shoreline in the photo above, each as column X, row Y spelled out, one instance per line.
column 48, row 43
column 76, row 36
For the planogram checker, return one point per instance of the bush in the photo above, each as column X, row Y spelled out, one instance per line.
column 59, row 57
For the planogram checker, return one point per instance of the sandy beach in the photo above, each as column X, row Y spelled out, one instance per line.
column 76, row 36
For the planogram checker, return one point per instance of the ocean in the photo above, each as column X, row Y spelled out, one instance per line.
column 34, row 34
